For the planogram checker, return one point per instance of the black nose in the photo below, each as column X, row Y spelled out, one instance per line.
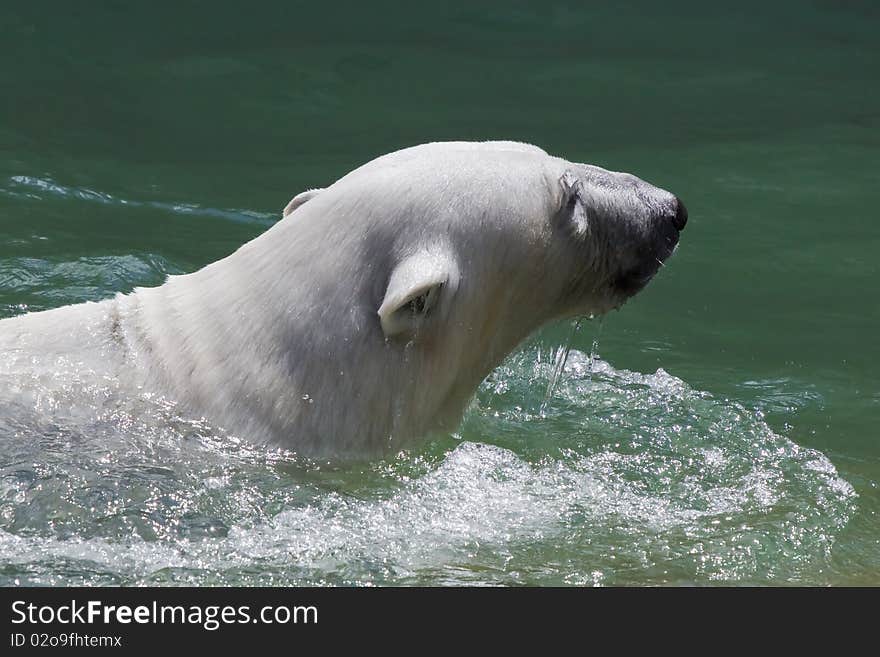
column 681, row 215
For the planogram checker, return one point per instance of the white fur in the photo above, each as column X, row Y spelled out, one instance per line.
column 368, row 316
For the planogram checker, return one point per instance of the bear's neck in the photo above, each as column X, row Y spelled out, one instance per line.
column 277, row 355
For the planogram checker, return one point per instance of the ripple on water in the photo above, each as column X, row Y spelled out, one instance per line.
column 36, row 188
column 628, row 478
column 49, row 283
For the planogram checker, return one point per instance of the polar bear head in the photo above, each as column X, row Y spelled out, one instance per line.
column 415, row 274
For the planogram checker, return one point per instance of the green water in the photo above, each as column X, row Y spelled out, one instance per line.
column 137, row 140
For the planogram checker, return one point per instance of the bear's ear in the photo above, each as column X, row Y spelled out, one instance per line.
column 414, row 291
column 572, row 211
column 299, row 199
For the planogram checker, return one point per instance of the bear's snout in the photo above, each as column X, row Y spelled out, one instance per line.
column 680, row 219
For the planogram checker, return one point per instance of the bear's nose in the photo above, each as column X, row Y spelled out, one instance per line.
column 681, row 215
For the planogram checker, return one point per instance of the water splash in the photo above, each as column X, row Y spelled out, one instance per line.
column 561, row 359
column 559, row 365
column 631, row 479
column 594, row 347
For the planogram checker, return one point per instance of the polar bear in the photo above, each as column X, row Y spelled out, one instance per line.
column 366, row 318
